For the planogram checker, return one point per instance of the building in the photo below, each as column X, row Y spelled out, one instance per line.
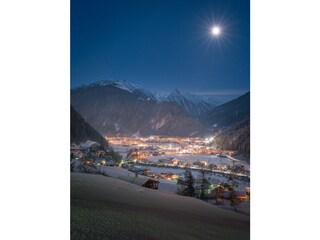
column 141, row 181
column 151, row 183
column 200, row 163
column 174, row 161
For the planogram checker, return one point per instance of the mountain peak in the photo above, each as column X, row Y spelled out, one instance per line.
column 121, row 84
column 176, row 91
column 192, row 104
column 116, row 83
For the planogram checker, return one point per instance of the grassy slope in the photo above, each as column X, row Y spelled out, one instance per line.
column 108, row 208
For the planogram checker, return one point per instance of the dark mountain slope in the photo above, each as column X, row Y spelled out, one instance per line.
column 236, row 137
column 229, row 113
column 81, row 131
column 192, row 104
column 121, row 108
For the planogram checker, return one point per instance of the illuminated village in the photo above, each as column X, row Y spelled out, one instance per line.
column 161, row 163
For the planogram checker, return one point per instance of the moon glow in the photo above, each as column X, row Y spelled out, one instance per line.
column 216, row 30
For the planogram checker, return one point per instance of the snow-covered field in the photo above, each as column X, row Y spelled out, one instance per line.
column 108, row 208
column 168, row 186
column 165, row 185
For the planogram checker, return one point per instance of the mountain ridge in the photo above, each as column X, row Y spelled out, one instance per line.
column 115, row 108
column 81, row 131
column 228, row 113
column 191, row 103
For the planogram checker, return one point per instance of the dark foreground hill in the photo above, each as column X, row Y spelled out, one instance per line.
column 81, row 131
column 108, row 208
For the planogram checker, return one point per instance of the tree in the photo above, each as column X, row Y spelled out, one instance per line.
column 234, row 201
column 180, row 186
column 185, row 187
column 189, row 183
column 203, row 183
column 114, row 155
column 72, row 166
column 87, row 167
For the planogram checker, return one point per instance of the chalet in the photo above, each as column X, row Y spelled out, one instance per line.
column 166, row 175
column 76, row 151
column 182, row 163
column 133, row 168
column 200, row 163
column 141, row 181
column 212, row 166
column 226, row 193
column 174, row 161
column 144, row 160
column 105, row 161
column 100, row 153
column 239, row 168
column 241, row 196
column 164, row 161
column 151, row 183
column 100, row 161
column 158, row 175
column 110, row 162
column 146, row 170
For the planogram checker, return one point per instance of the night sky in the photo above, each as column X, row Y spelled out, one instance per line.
column 162, row 44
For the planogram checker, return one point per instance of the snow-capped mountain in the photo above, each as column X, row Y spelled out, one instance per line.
column 122, row 108
column 126, row 86
column 192, row 104
column 161, row 97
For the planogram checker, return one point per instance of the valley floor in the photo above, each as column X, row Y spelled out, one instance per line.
column 108, row 208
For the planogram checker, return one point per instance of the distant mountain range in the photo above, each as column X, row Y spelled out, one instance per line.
column 122, row 108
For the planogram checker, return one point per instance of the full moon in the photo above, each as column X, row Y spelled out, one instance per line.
column 216, row 30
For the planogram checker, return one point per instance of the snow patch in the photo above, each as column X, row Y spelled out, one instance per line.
column 161, row 123
column 124, row 85
column 88, row 144
column 137, row 134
